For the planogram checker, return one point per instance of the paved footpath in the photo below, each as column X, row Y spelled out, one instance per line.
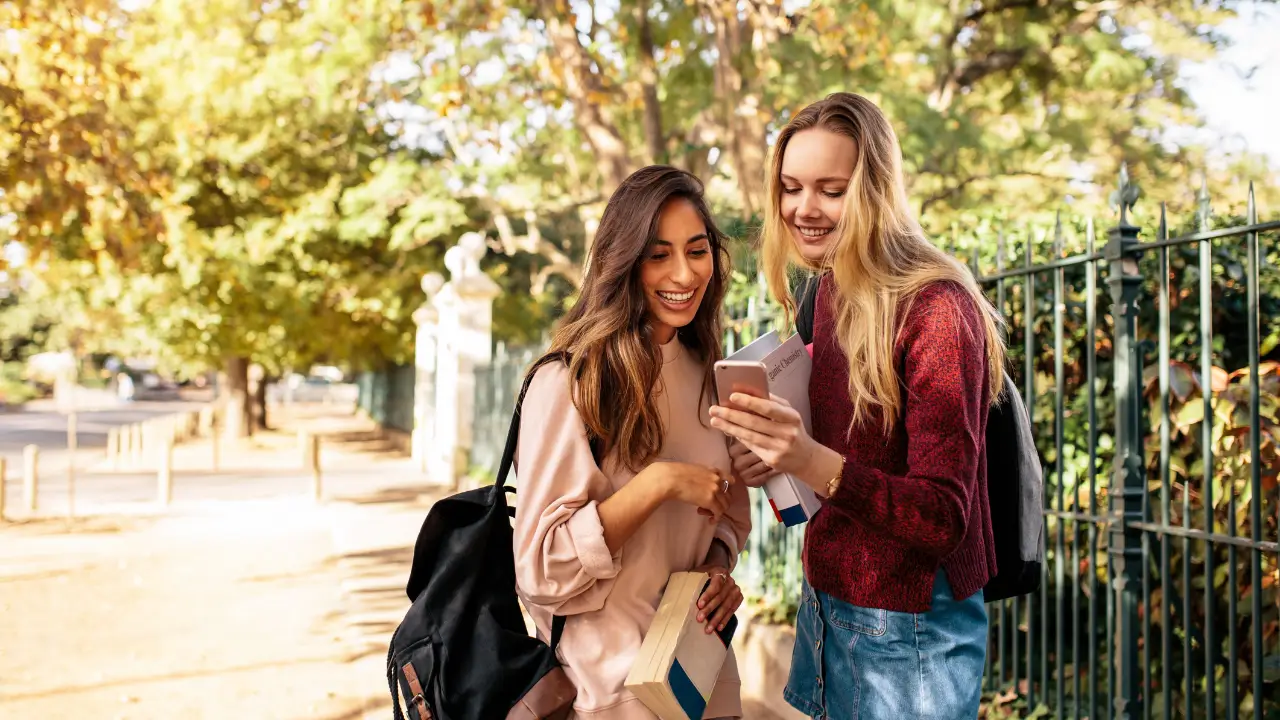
column 250, row 602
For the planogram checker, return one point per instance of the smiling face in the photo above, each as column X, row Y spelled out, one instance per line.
column 815, row 173
column 676, row 269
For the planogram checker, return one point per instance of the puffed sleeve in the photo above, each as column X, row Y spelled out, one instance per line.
column 562, row 562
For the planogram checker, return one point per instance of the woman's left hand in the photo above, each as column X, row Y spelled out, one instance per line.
column 770, row 428
column 720, row 600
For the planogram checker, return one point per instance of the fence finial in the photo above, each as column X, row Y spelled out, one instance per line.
column 1203, row 211
column 1251, row 217
column 1126, row 195
column 1057, row 235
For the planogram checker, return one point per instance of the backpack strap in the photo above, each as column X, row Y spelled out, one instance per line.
column 508, row 459
column 557, row 630
column 806, row 296
column 513, row 432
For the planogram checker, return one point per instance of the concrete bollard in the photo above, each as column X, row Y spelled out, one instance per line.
column 151, row 446
column 73, row 441
column 3, row 477
column 30, row 476
column 135, row 445
column 215, row 439
column 304, row 449
column 113, row 448
column 164, row 477
column 313, row 461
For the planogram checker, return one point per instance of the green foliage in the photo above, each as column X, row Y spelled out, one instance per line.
column 271, row 181
column 15, row 389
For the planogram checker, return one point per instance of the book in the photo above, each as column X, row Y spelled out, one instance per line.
column 787, row 366
column 678, row 664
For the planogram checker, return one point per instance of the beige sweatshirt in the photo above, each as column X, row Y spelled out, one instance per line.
column 562, row 563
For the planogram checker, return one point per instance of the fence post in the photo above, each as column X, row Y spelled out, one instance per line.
column 1128, row 479
column 465, row 305
column 427, row 318
column 30, row 476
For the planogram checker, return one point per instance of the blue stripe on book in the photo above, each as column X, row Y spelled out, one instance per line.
column 687, row 695
column 793, row 515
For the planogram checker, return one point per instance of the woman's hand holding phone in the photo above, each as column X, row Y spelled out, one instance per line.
column 770, row 429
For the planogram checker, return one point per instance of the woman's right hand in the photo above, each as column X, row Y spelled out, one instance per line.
column 703, row 487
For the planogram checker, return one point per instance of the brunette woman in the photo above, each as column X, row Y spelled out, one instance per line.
column 622, row 480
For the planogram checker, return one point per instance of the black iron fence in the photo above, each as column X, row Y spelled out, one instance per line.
column 387, row 396
column 1116, row 631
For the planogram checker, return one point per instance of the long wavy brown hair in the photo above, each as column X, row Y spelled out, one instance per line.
column 614, row 362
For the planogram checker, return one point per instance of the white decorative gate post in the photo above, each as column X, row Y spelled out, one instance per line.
column 424, row 359
column 465, row 341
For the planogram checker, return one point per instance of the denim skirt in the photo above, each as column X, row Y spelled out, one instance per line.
column 856, row 663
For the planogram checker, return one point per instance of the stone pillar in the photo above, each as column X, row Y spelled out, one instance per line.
column 427, row 319
column 465, row 341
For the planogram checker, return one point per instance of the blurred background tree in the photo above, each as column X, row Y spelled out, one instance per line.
column 239, row 182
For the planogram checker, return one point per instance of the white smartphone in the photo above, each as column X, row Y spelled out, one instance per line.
column 741, row 376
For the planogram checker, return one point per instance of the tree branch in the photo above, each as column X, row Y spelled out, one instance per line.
column 584, row 89
column 960, row 186
column 947, row 82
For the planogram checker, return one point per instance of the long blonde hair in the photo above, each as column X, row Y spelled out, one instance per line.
column 879, row 261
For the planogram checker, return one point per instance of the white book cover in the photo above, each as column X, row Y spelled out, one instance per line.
column 787, row 366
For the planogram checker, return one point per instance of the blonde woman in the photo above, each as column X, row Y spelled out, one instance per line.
column 907, row 357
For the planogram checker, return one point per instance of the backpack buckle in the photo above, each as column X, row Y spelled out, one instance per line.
column 419, row 700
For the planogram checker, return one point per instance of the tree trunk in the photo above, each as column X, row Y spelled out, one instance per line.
column 584, row 89
column 238, row 421
column 649, row 84
column 260, row 403
column 740, row 104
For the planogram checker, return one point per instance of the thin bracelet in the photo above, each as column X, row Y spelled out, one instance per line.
column 834, row 482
